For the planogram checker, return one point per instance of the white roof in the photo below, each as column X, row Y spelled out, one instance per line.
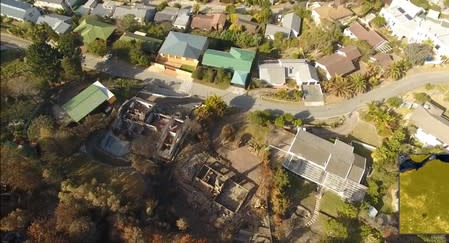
column 121, row 11
column 301, row 70
column 409, row 8
column 433, row 14
column 105, row 90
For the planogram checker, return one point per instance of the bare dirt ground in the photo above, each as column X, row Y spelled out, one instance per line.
column 243, row 160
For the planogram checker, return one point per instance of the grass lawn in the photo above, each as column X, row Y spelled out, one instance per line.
column 127, row 182
column 366, row 133
column 330, row 203
column 187, row 68
column 258, row 133
column 424, row 199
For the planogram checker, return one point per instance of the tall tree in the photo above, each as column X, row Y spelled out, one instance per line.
column 44, row 61
column 68, row 45
column 72, row 68
column 128, row 23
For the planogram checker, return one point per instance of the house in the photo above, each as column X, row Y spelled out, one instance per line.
column 91, row 28
column 87, row 101
column 404, row 20
column 244, row 21
column 383, row 60
column 277, row 72
column 182, row 21
column 52, row 4
column 238, row 60
column 104, row 10
column 149, row 44
column 377, row 42
column 181, row 49
column 141, row 14
column 19, row 10
column 60, row 24
column 342, row 62
column 333, row 14
column 290, row 27
column 209, row 22
column 167, row 15
column 86, row 8
column 367, row 19
column 271, row 30
column 292, row 22
column 333, row 166
column 432, row 124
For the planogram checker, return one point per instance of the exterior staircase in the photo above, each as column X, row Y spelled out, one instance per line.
column 316, row 211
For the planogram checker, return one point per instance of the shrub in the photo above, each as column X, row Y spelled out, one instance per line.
column 279, row 122
column 98, row 47
column 394, row 102
column 421, row 98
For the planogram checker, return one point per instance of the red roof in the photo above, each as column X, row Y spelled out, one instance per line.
column 372, row 37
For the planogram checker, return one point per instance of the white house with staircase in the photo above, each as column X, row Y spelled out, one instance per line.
column 333, row 166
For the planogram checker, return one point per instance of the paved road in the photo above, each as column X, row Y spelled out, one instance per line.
column 247, row 102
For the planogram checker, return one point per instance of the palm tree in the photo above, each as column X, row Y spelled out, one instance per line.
column 342, row 87
column 398, row 69
column 359, row 83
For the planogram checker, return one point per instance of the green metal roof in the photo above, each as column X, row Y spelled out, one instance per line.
column 236, row 59
column 85, row 102
column 239, row 78
column 92, row 28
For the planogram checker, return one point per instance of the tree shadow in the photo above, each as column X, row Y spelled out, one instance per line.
column 275, row 112
column 306, row 116
column 244, row 102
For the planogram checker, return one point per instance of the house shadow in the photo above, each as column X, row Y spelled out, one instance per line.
column 243, row 102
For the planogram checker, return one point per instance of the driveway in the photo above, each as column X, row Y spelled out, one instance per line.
column 247, row 102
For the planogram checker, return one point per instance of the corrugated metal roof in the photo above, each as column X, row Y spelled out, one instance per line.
column 91, row 28
column 85, row 102
column 236, row 59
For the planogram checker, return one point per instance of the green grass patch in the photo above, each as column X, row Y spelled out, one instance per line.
column 127, row 182
column 220, row 85
column 366, row 133
column 330, row 203
column 187, row 68
column 424, row 198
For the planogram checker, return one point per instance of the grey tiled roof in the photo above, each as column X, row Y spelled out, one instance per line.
column 59, row 23
column 292, row 21
column 16, row 9
column 339, row 156
column 168, row 14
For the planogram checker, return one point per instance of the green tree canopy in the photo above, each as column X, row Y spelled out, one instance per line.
column 43, row 61
column 98, row 47
column 128, row 23
column 417, row 53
